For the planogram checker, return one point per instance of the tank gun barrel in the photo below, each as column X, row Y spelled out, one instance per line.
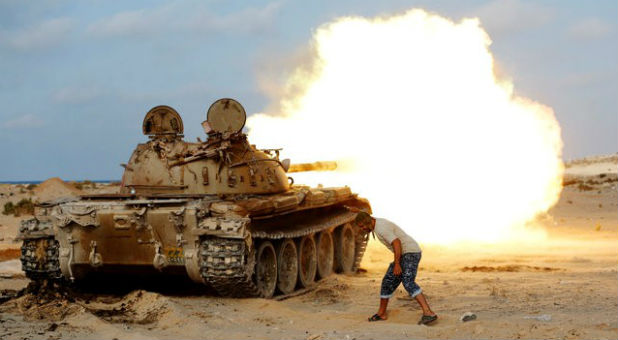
column 315, row 166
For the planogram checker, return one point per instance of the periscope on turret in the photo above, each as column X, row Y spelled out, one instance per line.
column 221, row 212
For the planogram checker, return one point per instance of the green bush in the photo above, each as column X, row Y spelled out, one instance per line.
column 9, row 208
column 25, row 206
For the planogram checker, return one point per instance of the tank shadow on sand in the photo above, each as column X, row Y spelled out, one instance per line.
column 97, row 284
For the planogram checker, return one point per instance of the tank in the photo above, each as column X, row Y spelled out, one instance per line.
column 221, row 212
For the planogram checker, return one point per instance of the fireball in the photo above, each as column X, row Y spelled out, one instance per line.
column 413, row 112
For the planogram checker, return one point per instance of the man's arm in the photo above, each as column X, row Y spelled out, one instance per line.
column 397, row 251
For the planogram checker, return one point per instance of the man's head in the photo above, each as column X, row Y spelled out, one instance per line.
column 365, row 221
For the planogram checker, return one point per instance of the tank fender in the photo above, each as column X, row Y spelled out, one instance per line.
column 227, row 227
column 33, row 228
column 81, row 215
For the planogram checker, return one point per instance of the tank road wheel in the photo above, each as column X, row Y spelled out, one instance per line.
column 326, row 253
column 266, row 269
column 287, row 264
column 307, row 261
column 344, row 248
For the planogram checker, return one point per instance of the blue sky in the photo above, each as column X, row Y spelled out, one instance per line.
column 78, row 77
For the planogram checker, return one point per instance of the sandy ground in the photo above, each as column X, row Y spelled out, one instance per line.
column 562, row 287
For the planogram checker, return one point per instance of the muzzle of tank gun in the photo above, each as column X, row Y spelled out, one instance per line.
column 315, row 166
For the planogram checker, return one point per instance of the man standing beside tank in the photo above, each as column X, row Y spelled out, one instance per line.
column 407, row 255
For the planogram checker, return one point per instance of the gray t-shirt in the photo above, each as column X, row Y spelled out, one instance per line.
column 387, row 232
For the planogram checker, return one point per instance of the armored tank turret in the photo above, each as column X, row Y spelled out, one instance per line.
column 222, row 212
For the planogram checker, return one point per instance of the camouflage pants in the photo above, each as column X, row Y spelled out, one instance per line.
column 409, row 266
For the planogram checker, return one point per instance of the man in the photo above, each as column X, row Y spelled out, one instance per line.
column 407, row 255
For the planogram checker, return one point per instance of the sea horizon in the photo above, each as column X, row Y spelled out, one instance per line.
column 77, row 180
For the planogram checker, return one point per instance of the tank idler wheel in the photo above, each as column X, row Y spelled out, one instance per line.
column 307, row 261
column 344, row 248
column 326, row 253
column 287, row 264
column 266, row 269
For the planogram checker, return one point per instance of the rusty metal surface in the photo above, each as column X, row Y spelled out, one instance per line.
column 301, row 224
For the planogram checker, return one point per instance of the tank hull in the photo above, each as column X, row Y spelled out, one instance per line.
column 211, row 240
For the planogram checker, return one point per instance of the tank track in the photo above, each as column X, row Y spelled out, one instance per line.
column 361, row 245
column 40, row 259
column 227, row 267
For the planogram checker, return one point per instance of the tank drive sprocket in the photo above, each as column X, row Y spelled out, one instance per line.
column 40, row 259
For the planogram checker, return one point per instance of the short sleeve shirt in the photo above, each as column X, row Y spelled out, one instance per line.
column 387, row 232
